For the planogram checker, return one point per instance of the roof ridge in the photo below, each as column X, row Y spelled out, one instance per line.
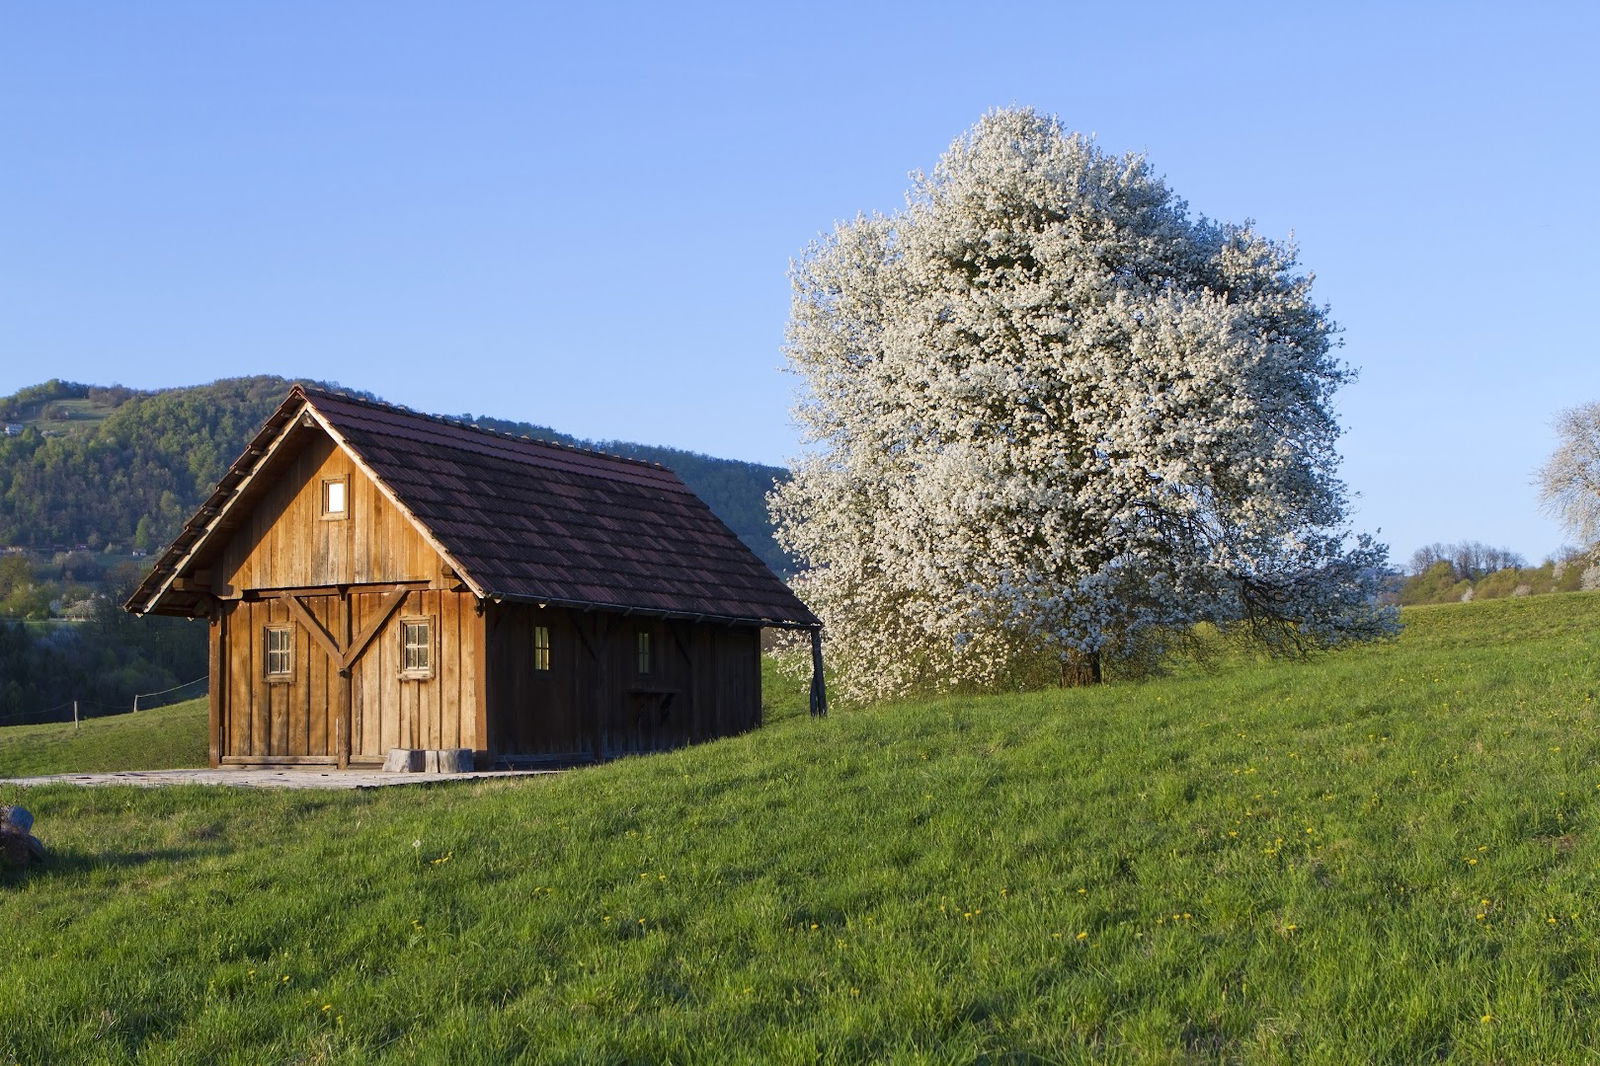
column 447, row 420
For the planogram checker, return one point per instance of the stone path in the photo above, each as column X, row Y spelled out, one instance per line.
column 264, row 778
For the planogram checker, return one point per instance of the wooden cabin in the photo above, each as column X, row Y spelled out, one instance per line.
column 376, row 578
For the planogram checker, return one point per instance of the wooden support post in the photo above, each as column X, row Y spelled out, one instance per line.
column 216, row 700
column 344, row 689
column 819, row 687
column 76, row 726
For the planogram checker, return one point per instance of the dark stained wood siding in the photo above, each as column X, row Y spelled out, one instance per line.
column 705, row 682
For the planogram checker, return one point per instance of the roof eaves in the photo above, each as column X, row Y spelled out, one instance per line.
column 663, row 613
column 198, row 530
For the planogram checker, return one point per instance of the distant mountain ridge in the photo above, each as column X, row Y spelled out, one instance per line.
column 108, row 467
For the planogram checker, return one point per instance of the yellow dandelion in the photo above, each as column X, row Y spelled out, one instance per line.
column 1083, row 935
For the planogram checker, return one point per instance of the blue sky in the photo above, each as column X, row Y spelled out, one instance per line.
column 582, row 215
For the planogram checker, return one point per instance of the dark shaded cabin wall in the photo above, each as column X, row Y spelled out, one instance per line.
column 703, row 682
column 537, row 713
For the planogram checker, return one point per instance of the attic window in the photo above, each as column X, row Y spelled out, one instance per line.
column 335, row 498
column 541, row 648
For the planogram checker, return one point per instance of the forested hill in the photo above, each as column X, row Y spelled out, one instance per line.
column 115, row 468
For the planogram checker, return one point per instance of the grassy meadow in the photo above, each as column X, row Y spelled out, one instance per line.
column 157, row 739
column 1384, row 855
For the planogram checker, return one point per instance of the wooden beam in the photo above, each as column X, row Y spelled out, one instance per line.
column 318, row 631
column 344, row 686
column 278, row 760
column 328, row 590
column 219, row 694
column 391, row 603
column 482, row 619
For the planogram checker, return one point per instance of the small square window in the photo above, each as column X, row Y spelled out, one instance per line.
column 416, row 647
column 644, row 653
column 335, row 498
column 279, row 658
column 541, row 648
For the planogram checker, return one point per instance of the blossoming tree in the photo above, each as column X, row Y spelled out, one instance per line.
column 1569, row 481
column 1054, row 419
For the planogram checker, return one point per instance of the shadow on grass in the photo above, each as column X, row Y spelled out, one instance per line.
column 70, row 863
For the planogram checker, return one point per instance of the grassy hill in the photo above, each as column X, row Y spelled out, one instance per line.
column 156, row 739
column 111, row 467
column 1385, row 855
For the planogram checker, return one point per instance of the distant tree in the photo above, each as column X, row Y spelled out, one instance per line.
column 15, row 571
column 1439, row 583
column 1569, row 481
column 1057, row 419
column 1469, row 560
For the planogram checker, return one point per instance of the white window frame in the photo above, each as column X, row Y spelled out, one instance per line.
column 329, row 485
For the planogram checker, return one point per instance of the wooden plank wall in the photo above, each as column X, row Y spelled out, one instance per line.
column 298, row 719
column 276, row 719
column 712, row 674
column 440, row 712
column 285, row 542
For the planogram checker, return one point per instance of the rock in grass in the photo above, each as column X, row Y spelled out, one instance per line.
column 17, row 846
column 17, row 818
column 15, row 851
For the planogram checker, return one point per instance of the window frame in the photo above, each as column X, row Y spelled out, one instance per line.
column 325, row 499
column 268, row 653
column 541, row 649
column 431, row 644
column 644, row 660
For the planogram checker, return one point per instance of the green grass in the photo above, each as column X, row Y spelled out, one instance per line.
column 1385, row 855
column 157, row 739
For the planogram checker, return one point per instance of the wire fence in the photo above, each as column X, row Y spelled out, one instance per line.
column 176, row 694
column 78, row 710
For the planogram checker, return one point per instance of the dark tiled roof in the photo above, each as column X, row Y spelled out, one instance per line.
column 540, row 522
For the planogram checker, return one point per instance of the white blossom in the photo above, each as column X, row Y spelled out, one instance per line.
column 1569, row 481
column 1052, row 418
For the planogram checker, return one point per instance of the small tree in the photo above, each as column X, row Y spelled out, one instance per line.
column 1057, row 420
column 1569, row 481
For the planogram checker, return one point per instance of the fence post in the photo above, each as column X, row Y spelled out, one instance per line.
column 136, row 705
column 75, row 726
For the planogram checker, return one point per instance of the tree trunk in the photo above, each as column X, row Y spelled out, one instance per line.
column 1078, row 670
